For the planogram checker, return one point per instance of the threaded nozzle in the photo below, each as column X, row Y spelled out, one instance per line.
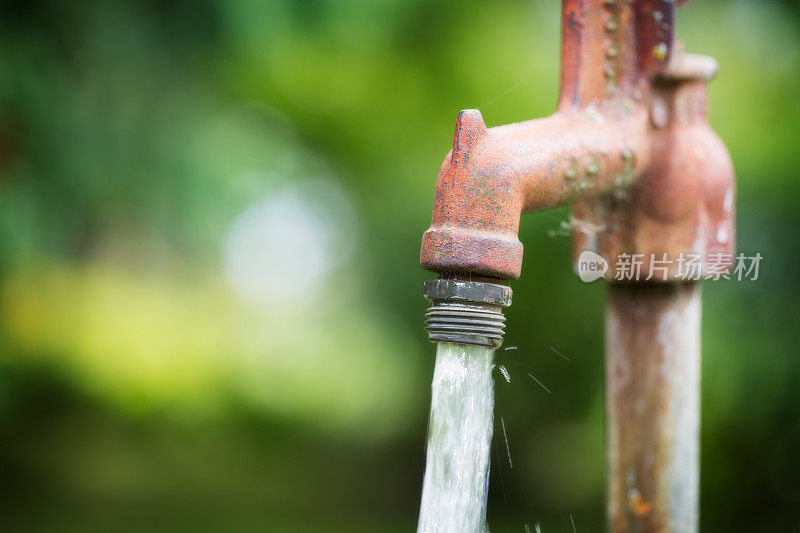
column 466, row 311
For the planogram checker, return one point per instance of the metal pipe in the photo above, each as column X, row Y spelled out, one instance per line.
column 653, row 406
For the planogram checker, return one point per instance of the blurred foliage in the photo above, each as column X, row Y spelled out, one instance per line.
column 221, row 355
column 139, row 388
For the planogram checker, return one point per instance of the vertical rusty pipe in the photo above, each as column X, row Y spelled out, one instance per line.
column 652, row 406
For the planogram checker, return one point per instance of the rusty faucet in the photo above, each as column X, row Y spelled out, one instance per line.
column 631, row 150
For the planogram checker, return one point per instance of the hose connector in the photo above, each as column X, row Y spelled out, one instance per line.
column 466, row 311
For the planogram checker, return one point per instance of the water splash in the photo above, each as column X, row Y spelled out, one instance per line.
column 534, row 378
column 505, row 436
column 459, row 439
column 503, row 370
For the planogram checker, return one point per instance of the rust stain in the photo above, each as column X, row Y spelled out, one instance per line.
column 638, row 506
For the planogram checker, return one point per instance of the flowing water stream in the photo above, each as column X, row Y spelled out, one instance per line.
column 459, row 439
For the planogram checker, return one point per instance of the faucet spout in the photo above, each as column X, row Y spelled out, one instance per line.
column 494, row 175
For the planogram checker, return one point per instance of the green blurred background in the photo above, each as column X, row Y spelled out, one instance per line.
column 210, row 302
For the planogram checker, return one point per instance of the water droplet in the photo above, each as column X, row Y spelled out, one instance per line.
column 727, row 203
column 503, row 370
column 595, row 114
column 505, row 436
column 659, row 114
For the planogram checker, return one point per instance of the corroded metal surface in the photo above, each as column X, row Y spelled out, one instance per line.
column 682, row 204
column 494, row 175
column 611, row 48
column 652, row 406
column 629, row 147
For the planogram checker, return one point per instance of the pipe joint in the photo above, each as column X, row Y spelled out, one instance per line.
column 465, row 311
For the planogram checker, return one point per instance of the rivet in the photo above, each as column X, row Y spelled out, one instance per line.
column 571, row 172
column 660, row 51
column 612, row 50
column 593, row 166
column 629, row 160
column 611, row 24
column 610, row 71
